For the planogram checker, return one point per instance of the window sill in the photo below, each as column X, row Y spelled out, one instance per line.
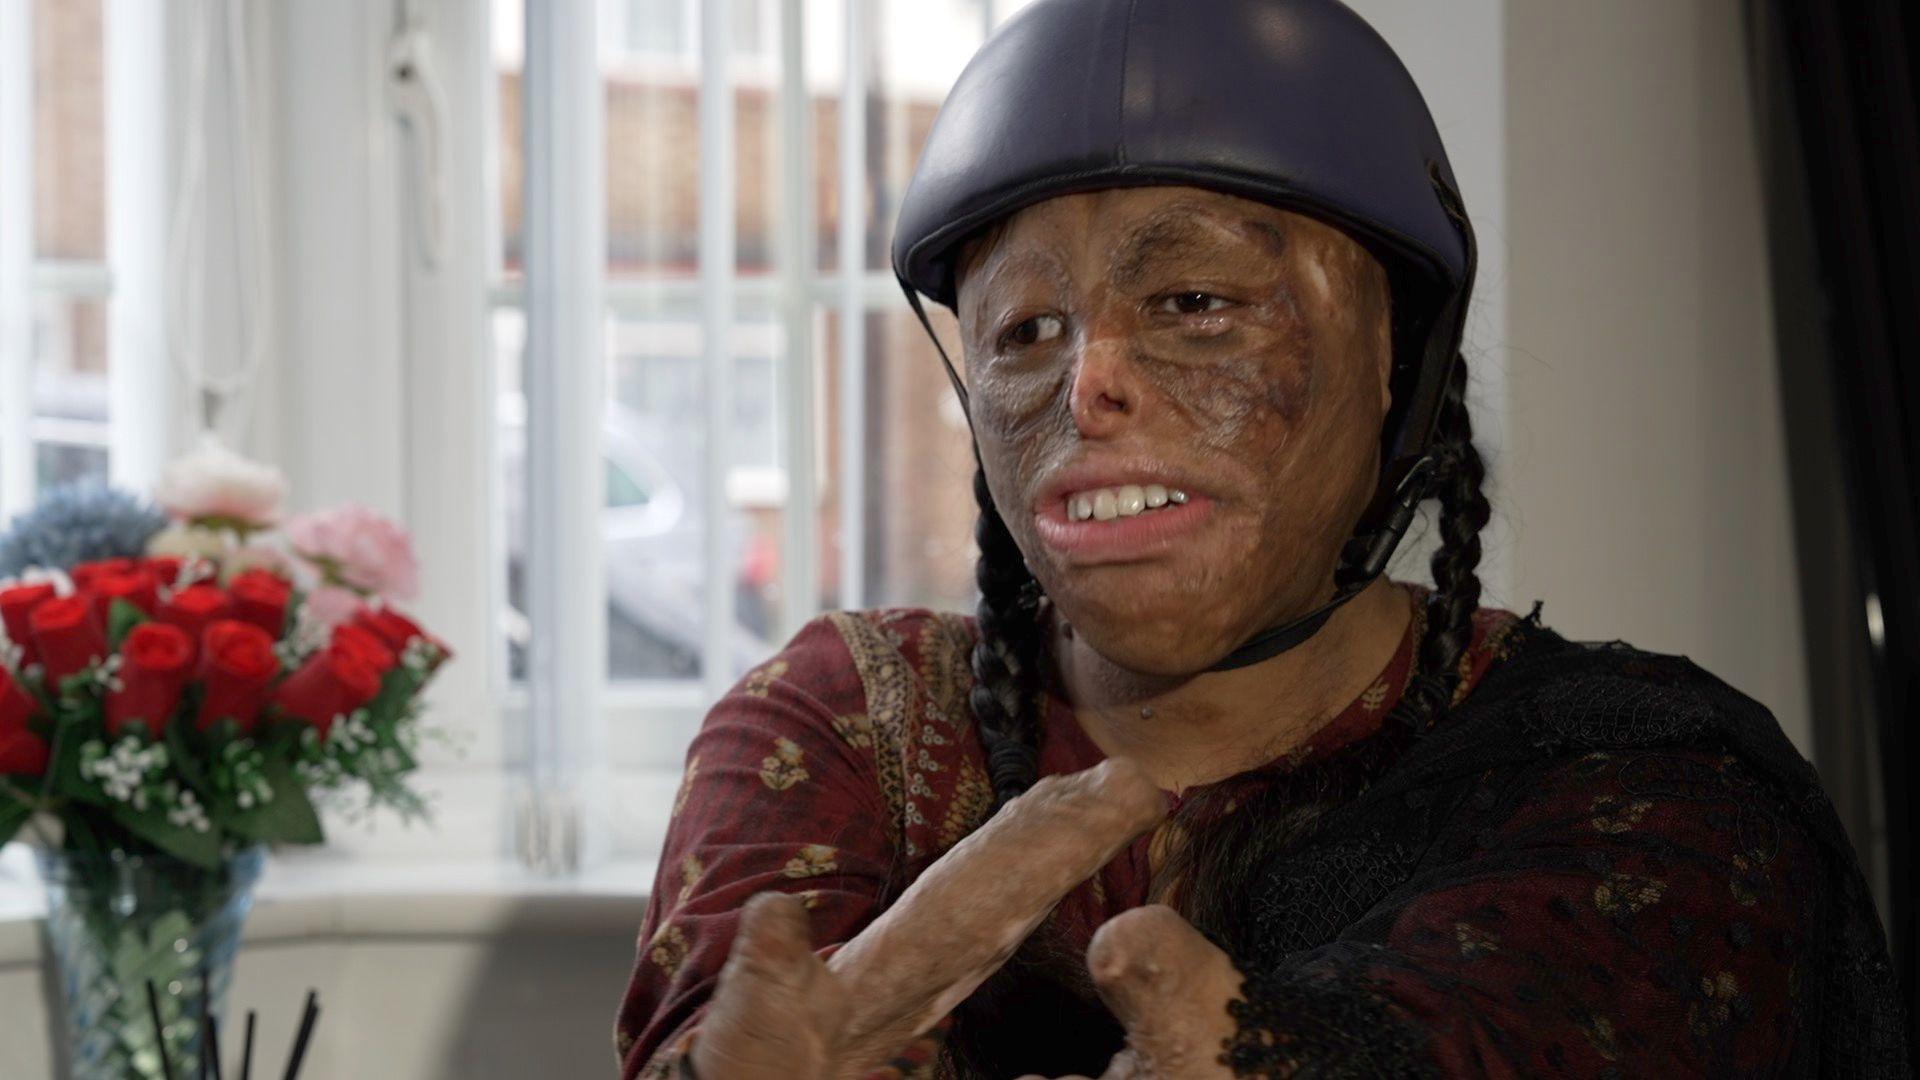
column 305, row 895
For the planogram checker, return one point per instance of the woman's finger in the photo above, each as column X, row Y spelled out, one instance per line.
column 777, row 1012
column 1170, row 987
column 964, row 917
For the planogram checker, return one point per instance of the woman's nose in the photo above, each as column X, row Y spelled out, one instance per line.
column 1105, row 395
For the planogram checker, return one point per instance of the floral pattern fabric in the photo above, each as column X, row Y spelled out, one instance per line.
column 839, row 770
column 1602, row 906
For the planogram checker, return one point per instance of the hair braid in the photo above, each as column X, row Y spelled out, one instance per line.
column 1006, row 659
column 1456, row 592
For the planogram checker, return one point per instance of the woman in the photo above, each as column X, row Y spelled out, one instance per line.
column 1198, row 792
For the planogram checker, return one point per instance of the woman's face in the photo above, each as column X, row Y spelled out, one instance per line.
column 1209, row 344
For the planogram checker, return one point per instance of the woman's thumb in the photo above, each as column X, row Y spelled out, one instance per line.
column 1169, row 986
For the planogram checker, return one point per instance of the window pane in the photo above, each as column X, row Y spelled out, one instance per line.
column 70, row 389
column 918, row 524
column 513, row 240
column 653, row 173
column 653, row 27
column 69, row 123
column 510, row 469
column 657, row 557
column 919, row 48
column 653, row 149
column 654, row 529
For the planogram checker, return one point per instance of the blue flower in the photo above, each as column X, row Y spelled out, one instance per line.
column 78, row 523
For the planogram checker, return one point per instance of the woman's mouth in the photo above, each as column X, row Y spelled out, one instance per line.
column 1120, row 524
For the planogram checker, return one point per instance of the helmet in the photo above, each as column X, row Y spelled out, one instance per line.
column 1295, row 103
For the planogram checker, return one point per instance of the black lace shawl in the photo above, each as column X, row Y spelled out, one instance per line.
column 1660, row 773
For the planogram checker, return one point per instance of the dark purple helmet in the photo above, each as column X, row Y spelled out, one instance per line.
column 1295, row 103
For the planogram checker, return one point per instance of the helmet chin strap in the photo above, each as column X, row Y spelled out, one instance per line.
column 1275, row 640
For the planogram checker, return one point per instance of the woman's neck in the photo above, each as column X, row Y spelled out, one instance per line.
column 1215, row 724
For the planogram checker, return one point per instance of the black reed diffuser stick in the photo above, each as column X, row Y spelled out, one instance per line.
column 159, row 1030
column 246, row 1051
column 307, row 1020
column 212, row 1043
column 206, row 1016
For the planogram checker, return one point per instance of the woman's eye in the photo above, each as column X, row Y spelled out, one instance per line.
column 1036, row 330
column 1192, row 303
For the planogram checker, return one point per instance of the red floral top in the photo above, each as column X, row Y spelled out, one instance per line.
column 854, row 749
column 1644, row 911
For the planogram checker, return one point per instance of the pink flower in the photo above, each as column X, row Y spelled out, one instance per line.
column 354, row 547
column 329, row 606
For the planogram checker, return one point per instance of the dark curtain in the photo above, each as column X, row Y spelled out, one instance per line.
column 1839, row 124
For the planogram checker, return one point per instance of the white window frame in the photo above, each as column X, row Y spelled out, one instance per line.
column 136, row 436
column 621, row 48
column 17, row 455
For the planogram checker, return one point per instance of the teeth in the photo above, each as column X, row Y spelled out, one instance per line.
column 1128, row 500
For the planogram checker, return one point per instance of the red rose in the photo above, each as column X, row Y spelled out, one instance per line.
column 164, row 568
column 367, row 646
column 155, row 661
column 396, row 630
column 84, row 574
column 67, row 635
column 261, row 597
column 333, row 683
column 136, row 587
column 238, row 665
column 22, row 752
column 195, row 608
column 16, row 607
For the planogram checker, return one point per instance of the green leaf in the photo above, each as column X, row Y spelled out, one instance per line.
column 396, row 690
column 288, row 817
column 185, row 752
column 122, row 617
column 13, row 815
column 202, row 849
column 63, row 771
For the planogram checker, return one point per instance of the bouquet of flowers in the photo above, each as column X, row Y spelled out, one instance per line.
column 183, row 685
column 192, row 682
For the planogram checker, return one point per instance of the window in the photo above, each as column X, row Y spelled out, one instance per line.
column 809, row 349
column 54, row 284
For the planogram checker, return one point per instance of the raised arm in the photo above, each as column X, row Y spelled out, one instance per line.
column 829, row 985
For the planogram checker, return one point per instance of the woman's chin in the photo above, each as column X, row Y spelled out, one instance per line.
column 1144, row 639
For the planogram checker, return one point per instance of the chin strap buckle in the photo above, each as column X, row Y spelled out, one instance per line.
column 1407, row 497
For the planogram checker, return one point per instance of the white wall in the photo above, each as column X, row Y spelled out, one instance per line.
column 1647, row 475
column 1453, row 50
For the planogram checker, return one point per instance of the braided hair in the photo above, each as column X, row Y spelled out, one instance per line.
column 1219, row 850
column 1006, row 659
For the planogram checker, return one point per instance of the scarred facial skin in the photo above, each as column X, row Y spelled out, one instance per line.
column 1239, row 348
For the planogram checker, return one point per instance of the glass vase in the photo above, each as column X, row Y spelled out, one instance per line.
column 117, row 922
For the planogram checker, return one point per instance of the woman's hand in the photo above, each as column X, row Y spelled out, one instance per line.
column 1170, row 986
column 780, row 1013
column 777, row 1012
